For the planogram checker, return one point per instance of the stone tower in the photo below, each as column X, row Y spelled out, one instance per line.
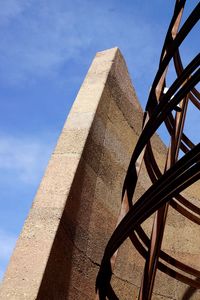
column 75, row 210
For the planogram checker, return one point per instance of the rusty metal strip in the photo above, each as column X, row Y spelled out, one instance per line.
column 185, row 172
column 178, row 174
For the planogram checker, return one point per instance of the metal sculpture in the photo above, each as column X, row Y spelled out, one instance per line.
column 179, row 173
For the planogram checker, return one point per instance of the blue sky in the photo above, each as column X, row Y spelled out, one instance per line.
column 45, row 51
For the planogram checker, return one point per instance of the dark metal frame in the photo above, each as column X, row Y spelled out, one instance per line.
column 179, row 173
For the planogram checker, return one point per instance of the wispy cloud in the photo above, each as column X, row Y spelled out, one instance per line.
column 7, row 243
column 22, row 163
column 23, row 158
column 11, row 9
column 46, row 35
column 39, row 42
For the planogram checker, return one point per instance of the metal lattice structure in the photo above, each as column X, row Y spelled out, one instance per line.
column 167, row 108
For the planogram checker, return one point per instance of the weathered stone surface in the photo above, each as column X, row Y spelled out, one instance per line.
column 76, row 207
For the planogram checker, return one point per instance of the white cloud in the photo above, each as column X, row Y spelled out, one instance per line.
column 23, row 157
